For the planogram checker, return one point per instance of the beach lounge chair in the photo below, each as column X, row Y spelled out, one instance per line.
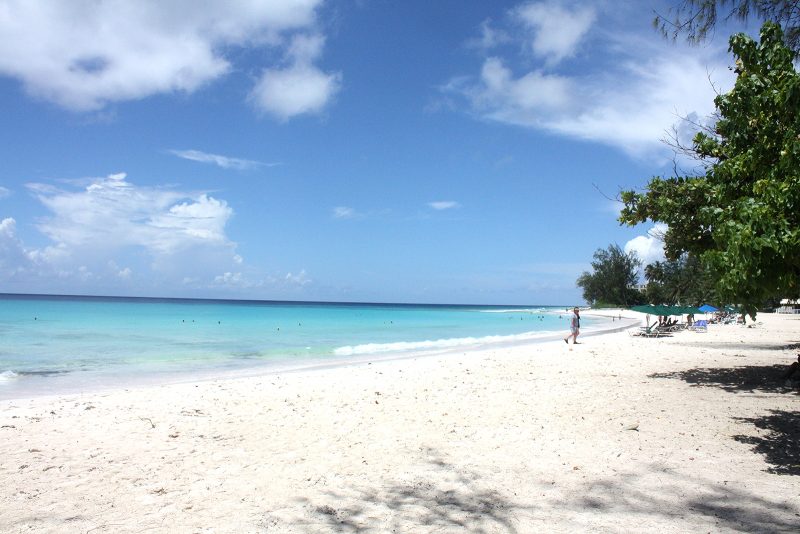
column 648, row 331
column 673, row 327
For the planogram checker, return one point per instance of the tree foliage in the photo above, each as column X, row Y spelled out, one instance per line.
column 684, row 281
column 613, row 278
column 742, row 217
column 697, row 18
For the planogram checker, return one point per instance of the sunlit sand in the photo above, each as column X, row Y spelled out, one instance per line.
column 694, row 432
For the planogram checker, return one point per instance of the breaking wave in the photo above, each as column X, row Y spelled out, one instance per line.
column 7, row 376
column 439, row 344
column 517, row 310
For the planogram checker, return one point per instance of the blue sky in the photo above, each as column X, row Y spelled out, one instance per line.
column 445, row 152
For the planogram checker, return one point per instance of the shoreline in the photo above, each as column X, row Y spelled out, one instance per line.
column 618, row 434
column 76, row 384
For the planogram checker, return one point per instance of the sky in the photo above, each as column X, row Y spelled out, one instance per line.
column 454, row 151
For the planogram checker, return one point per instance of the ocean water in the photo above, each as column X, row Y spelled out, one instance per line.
column 52, row 344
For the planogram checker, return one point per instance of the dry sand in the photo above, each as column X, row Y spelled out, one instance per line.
column 690, row 433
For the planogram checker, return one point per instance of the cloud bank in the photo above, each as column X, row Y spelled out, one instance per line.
column 113, row 236
column 83, row 55
column 113, row 213
column 558, row 79
column 117, row 234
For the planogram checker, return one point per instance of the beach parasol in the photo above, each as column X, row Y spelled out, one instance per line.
column 665, row 310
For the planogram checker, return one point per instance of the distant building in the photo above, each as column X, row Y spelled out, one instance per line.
column 788, row 306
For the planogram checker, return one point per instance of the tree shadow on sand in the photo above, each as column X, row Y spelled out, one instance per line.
column 737, row 345
column 679, row 497
column 464, row 503
column 781, row 445
column 748, row 378
column 452, row 499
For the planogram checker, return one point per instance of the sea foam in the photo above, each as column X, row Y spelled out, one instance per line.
column 439, row 344
column 7, row 376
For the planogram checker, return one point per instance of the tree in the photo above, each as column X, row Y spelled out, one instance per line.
column 613, row 278
column 741, row 219
column 683, row 281
column 696, row 18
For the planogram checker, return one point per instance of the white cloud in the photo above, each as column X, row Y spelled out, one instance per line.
column 84, row 274
column 228, row 278
column 163, row 235
column 112, row 213
column 637, row 115
column 648, row 248
column 444, row 204
column 626, row 92
column 298, row 88
column 300, row 279
column 14, row 258
column 490, row 37
column 20, row 263
column 8, row 227
column 221, row 161
column 120, row 272
column 633, row 115
column 83, row 55
column 202, row 219
column 343, row 212
column 231, row 279
column 4, row 192
column 305, row 49
column 556, row 31
column 113, row 235
column 531, row 100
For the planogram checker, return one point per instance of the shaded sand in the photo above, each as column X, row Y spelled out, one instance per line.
column 689, row 433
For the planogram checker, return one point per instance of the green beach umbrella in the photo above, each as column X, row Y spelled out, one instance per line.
column 650, row 309
column 665, row 310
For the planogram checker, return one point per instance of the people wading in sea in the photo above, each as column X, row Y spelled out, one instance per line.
column 574, row 326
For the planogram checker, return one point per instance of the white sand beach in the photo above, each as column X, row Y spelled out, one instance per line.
column 691, row 433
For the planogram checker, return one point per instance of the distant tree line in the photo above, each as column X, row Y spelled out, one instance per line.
column 615, row 275
column 684, row 281
column 613, row 281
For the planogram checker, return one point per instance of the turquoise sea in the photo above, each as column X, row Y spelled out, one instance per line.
column 57, row 344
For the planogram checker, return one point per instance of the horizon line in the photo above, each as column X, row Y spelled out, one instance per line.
column 4, row 295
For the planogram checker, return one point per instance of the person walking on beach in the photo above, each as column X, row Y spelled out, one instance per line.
column 574, row 326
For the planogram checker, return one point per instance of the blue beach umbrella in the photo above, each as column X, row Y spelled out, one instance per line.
column 707, row 308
